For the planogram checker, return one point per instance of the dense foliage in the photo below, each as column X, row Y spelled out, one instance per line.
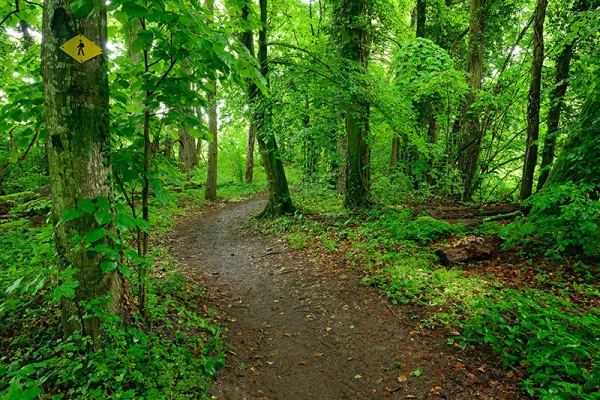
column 393, row 104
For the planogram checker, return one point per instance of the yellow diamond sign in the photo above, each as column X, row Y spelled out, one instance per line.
column 81, row 48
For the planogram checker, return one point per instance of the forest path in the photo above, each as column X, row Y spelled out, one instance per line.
column 302, row 328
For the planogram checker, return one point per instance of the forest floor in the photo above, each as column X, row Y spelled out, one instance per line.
column 302, row 325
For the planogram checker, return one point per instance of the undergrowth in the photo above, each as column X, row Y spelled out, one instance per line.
column 174, row 354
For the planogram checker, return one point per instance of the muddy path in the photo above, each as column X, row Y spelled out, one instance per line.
column 302, row 328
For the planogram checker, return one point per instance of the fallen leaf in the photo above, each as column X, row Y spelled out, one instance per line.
column 435, row 390
column 402, row 378
column 328, row 328
column 317, row 354
column 357, row 376
column 302, row 362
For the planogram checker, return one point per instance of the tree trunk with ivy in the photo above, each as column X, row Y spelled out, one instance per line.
column 352, row 20
column 77, row 140
column 578, row 161
column 187, row 155
column 533, row 106
column 280, row 201
column 470, row 148
column 247, row 39
column 213, row 150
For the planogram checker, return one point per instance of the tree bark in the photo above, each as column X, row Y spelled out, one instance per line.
column 187, row 156
column 355, row 42
column 394, row 156
column 247, row 39
column 77, row 141
column 470, row 150
column 211, row 173
column 582, row 145
column 280, row 201
column 250, row 152
column 563, row 64
column 533, row 106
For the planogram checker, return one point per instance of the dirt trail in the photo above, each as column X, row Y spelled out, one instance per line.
column 301, row 329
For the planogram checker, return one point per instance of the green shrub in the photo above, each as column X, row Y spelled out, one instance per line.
column 557, row 344
column 424, row 229
column 563, row 217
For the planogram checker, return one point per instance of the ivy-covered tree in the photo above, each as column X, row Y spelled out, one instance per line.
column 77, row 141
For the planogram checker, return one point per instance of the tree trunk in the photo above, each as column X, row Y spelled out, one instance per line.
column 77, row 139
column 355, row 44
column 563, row 64
column 342, row 167
column 211, row 173
column 468, row 158
column 187, row 155
column 250, row 151
column 583, row 145
column 394, row 156
column 247, row 39
column 280, row 201
column 533, row 107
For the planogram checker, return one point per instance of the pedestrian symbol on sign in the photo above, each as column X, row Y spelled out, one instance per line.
column 80, row 47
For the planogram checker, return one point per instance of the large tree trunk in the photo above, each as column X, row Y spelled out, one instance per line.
column 355, row 42
column 250, row 151
column 211, row 173
column 583, row 145
column 563, row 64
column 187, row 156
column 470, row 150
column 280, row 201
column 247, row 39
column 533, row 107
column 77, row 139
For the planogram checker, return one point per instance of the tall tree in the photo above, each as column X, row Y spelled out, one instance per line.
column 561, row 83
column 77, row 141
column 280, row 201
column 470, row 148
column 187, row 155
column 247, row 38
column 213, row 149
column 533, row 106
column 353, row 22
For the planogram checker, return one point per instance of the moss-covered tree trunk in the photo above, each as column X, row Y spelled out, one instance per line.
column 533, row 105
column 578, row 161
column 187, row 155
column 280, row 201
column 77, row 140
column 247, row 38
column 470, row 149
column 213, row 150
column 354, row 25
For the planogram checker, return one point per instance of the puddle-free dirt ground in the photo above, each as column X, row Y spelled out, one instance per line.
column 302, row 329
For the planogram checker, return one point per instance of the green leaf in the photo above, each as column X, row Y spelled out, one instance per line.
column 102, row 217
column 70, row 215
column 87, row 205
column 81, row 8
column 109, row 266
column 103, row 203
column 137, row 46
column 124, row 222
column 134, row 10
column 417, row 372
column 14, row 286
column 67, row 289
column 94, row 235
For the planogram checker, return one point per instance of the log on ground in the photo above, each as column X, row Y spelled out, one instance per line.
column 474, row 248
